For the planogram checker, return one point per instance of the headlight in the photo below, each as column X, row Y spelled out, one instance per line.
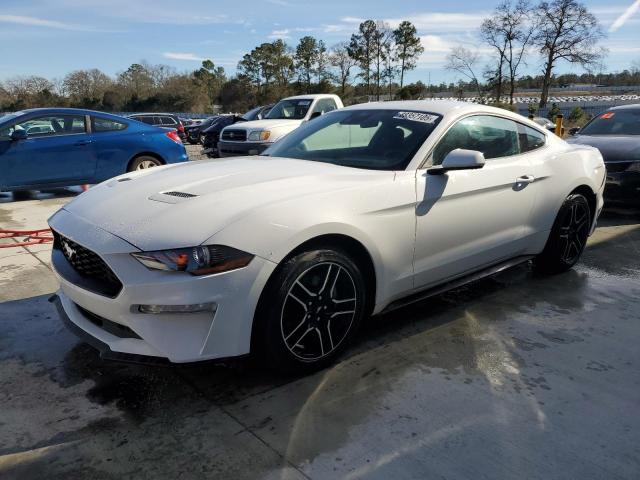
column 201, row 260
column 259, row 135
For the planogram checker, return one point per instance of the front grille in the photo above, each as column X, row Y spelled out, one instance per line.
column 108, row 326
column 234, row 135
column 180, row 194
column 84, row 268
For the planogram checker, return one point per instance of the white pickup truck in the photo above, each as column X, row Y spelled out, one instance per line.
column 252, row 138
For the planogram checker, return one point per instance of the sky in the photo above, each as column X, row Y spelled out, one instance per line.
column 53, row 37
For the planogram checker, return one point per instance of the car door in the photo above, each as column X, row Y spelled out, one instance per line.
column 57, row 150
column 470, row 219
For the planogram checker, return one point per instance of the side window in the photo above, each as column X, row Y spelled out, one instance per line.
column 337, row 136
column 147, row 120
column 495, row 137
column 167, row 121
column 325, row 105
column 530, row 138
column 105, row 125
column 53, row 125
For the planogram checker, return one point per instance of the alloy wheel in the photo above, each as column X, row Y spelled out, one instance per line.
column 574, row 232
column 144, row 164
column 318, row 311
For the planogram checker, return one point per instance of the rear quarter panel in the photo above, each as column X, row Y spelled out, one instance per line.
column 559, row 169
column 115, row 150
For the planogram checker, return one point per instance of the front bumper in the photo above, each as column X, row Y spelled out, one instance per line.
column 176, row 338
column 623, row 187
column 235, row 149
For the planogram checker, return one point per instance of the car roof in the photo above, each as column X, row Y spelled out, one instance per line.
column 440, row 107
column 311, row 96
column 632, row 106
column 146, row 114
column 83, row 111
column 70, row 111
column 446, row 108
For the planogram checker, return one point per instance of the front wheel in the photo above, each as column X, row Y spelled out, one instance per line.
column 568, row 236
column 144, row 162
column 311, row 310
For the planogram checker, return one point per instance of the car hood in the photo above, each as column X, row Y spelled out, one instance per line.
column 208, row 195
column 614, row 148
column 267, row 124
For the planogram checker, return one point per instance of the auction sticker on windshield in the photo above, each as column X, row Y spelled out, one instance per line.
column 416, row 117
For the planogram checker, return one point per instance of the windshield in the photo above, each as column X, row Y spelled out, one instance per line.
column 291, row 109
column 371, row 139
column 618, row 122
column 251, row 114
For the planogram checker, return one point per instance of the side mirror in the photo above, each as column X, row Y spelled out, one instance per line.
column 315, row 115
column 459, row 159
column 573, row 131
column 18, row 135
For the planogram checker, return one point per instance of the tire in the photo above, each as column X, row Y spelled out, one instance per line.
column 192, row 141
column 568, row 236
column 325, row 283
column 143, row 162
column 22, row 195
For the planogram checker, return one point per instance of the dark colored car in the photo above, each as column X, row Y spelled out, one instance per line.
column 166, row 120
column 193, row 132
column 616, row 133
column 56, row 147
column 211, row 135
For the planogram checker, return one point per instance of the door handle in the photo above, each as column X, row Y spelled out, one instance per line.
column 525, row 179
column 83, row 142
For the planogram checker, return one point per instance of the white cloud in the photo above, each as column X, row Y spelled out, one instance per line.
column 40, row 22
column 626, row 15
column 430, row 22
column 281, row 3
column 284, row 34
column 191, row 57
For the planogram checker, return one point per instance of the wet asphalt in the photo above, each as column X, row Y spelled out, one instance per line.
column 514, row 376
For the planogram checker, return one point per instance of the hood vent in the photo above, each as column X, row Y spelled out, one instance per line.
column 180, row 194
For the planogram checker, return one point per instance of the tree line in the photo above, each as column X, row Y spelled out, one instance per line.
column 371, row 64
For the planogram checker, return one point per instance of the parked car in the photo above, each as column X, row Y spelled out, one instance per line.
column 72, row 147
column 545, row 123
column 211, row 135
column 252, row 138
column 358, row 212
column 166, row 120
column 257, row 113
column 193, row 132
column 616, row 133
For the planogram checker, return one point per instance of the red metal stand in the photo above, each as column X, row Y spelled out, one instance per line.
column 30, row 237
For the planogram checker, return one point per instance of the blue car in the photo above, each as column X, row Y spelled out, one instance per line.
column 55, row 147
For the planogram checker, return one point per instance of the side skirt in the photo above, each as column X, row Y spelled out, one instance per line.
column 472, row 277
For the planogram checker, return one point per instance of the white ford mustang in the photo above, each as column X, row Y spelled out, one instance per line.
column 355, row 213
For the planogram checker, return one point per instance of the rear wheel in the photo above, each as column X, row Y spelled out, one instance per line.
column 568, row 236
column 143, row 162
column 311, row 310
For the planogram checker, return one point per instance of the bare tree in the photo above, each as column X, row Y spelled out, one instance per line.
column 464, row 61
column 340, row 59
column 566, row 31
column 509, row 30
